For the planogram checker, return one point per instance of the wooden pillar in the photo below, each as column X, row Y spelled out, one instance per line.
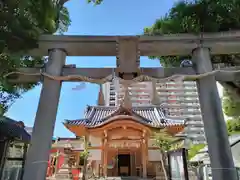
column 105, row 158
column 102, row 157
column 57, row 161
column 86, row 143
column 144, row 155
column 215, row 128
column 41, row 141
column 105, row 152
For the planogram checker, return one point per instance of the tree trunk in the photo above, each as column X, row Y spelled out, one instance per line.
column 162, row 156
column 84, row 169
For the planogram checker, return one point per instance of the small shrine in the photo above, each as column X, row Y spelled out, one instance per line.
column 63, row 159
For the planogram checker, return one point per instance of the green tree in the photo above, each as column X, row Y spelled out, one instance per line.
column 22, row 22
column 197, row 17
column 233, row 126
column 194, row 149
column 231, row 106
column 164, row 141
column 85, row 155
column 84, row 158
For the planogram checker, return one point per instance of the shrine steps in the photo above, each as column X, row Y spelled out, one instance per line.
column 127, row 178
column 107, row 178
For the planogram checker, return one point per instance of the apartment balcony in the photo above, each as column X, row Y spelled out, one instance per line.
column 140, row 99
column 182, row 106
column 194, row 122
column 170, row 87
column 162, row 90
column 179, row 101
column 177, row 82
column 137, row 92
column 185, row 113
column 180, row 94
column 161, row 94
column 144, row 96
column 195, row 129
column 171, row 109
column 136, row 85
column 191, row 117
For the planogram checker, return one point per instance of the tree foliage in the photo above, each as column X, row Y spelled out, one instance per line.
column 21, row 24
column 231, row 106
column 165, row 142
column 196, row 17
column 194, row 149
column 233, row 126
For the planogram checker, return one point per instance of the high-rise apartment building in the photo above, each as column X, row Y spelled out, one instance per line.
column 178, row 99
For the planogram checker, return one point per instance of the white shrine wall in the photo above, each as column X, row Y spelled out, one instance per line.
column 95, row 154
column 153, row 154
column 95, row 141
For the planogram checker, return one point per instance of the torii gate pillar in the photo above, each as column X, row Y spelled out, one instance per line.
column 215, row 127
column 41, row 141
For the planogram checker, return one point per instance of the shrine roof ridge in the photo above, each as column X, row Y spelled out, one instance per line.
column 152, row 116
column 162, row 45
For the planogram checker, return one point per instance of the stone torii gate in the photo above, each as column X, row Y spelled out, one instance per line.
column 127, row 49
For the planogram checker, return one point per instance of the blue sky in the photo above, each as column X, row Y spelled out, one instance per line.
column 113, row 17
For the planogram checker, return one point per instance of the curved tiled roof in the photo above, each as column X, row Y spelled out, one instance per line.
column 10, row 128
column 152, row 116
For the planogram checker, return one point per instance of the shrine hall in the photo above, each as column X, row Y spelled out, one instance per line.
column 120, row 139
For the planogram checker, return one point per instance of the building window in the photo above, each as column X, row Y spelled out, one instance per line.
column 15, row 157
column 112, row 93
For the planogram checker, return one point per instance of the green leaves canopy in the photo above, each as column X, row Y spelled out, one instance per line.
column 22, row 22
column 202, row 16
column 233, row 126
column 231, row 106
column 164, row 140
column 196, row 17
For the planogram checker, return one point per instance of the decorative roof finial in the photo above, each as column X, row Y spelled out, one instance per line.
column 101, row 101
column 127, row 103
column 155, row 96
